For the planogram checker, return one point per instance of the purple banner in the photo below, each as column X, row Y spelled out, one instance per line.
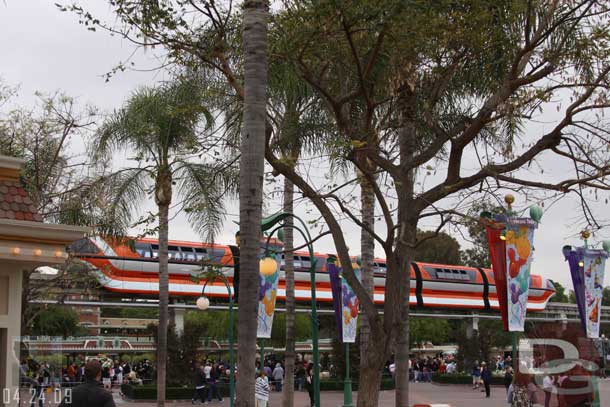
column 587, row 271
column 573, row 257
column 335, row 286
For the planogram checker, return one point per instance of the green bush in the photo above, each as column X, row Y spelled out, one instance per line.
column 149, row 392
column 463, row 379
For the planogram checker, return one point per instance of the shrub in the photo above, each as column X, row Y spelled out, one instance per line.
column 463, row 379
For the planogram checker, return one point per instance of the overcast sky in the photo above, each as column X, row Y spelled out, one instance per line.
column 45, row 50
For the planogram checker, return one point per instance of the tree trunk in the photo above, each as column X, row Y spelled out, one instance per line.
column 250, row 191
column 405, row 246
column 163, row 305
column 368, row 386
column 289, row 355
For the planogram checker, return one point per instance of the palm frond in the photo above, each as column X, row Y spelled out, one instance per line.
column 126, row 190
column 203, row 189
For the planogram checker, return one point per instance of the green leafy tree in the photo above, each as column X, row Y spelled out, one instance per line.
column 460, row 80
column 606, row 296
column 159, row 127
column 560, row 293
column 437, row 248
column 572, row 297
column 55, row 321
column 477, row 255
column 424, row 330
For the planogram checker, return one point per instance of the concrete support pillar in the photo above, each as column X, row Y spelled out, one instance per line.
column 10, row 325
column 179, row 319
column 472, row 326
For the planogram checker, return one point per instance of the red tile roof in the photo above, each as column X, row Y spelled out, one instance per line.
column 15, row 202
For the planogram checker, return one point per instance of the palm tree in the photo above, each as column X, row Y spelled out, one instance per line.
column 251, row 171
column 159, row 127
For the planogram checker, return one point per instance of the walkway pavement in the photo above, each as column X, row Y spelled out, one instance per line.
column 420, row 393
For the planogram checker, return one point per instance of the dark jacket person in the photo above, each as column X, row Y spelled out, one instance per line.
column 91, row 393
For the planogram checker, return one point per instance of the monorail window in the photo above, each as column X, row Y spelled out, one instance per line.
column 155, row 250
column 143, row 249
column 451, row 274
column 173, row 252
column 188, row 253
column 216, row 255
column 380, row 267
column 200, row 253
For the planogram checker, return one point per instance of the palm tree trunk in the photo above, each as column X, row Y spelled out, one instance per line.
column 367, row 250
column 251, row 173
column 163, row 305
column 289, row 356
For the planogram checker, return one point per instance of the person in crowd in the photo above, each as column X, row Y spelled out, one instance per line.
column 301, row 373
column 106, row 378
column 267, row 369
column 476, row 375
column 309, row 383
column 508, row 377
column 212, row 383
column 199, row 383
column 278, row 376
column 37, row 387
column 486, row 378
column 207, row 369
column 118, row 372
column 72, row 373
column 261, row 389
column 91, row 393
column 548, row 385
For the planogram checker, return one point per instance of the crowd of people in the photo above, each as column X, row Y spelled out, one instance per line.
column 114, row 373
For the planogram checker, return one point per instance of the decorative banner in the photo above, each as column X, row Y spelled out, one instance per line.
column 519, row 250
column 497, row 252
column 335, row 285
column 267, row 292
column 349, row 308
column 573, row 258
column 588, row 283
column 510, row 248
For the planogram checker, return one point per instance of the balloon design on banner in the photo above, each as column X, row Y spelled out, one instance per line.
column 345, row 302
column 349, row 308
column 519, row 247
column 267, row 293
column 511, row 248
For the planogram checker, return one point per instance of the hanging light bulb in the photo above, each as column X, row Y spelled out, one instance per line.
column 581, row 263
column 503, row 235
column 203, row 303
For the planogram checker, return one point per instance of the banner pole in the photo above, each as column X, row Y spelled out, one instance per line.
column 347, row 382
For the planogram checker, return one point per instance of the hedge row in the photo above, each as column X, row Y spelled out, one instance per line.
column 463, row 379
column 149, row 392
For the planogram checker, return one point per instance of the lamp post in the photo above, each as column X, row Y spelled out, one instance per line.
column 269, row 223
column 203, row 304
column 604, row 352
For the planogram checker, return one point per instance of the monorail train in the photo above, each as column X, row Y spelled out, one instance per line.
column 133, row 269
